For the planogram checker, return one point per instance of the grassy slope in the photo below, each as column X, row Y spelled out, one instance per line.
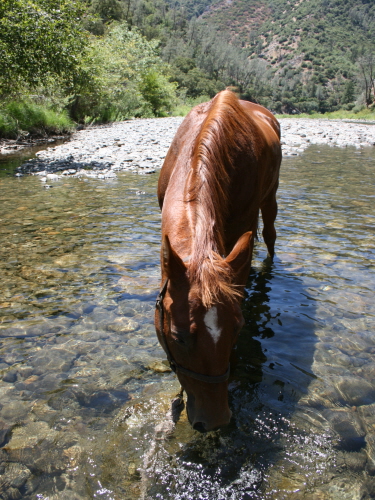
column 19, row 118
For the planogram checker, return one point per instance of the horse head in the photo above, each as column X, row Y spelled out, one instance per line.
column 199, row 333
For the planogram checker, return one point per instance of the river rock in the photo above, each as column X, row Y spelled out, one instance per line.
column 348, row 425
column 31, row 484
column 140, row 146
column 5, row 431
column 127, row 311
column 14, row 410
column 30, row 436
column 159, row 367
column 356, row 391
column 15, row 475
column 67, row 260
column 123, row 325
column 54, row 359
column 368, row 489
column 102, row 400
column 68, row 494
column 11, row 494
column 353, row 461
column 10, row 376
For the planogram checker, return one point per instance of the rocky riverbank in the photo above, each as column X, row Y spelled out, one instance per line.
column 140, row 146
column 12, row 146
column 297, row 134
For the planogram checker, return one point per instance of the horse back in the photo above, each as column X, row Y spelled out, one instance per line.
column 179, row 156
column 254, row 159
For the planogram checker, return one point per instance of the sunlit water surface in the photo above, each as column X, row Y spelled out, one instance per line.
column 83, row 416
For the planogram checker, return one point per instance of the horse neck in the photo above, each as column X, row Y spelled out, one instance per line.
column 210, row 175
column 224, row 137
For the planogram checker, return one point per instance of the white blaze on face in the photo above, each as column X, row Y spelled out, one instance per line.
column 210, row 320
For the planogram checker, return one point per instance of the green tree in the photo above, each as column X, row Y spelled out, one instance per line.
column 38, row 39
column 348, row 95
column 158, row 91
column 366, row 67
column 125, row 77
column 109, row 10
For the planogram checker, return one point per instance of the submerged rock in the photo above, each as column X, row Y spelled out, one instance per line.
column 348, row 425
column 159, row 367
column 31, row 436
column 15, row 475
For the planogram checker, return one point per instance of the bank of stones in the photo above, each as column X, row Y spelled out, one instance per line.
column 140, row 146
column 297, row 134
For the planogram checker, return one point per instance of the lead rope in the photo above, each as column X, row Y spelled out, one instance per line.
column 178, row 400
column 159, row 305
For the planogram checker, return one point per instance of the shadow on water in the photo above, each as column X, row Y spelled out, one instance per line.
column 260, row 452
column 301, row 393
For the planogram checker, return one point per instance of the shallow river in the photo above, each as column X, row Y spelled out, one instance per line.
column 83, row 416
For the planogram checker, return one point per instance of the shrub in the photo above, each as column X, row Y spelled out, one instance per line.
column 125, row 78
column 23, row 116
column 158, row 91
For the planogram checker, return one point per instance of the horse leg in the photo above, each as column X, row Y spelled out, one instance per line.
column 269, row 212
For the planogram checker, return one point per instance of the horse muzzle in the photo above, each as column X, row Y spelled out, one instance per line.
column 206, row 414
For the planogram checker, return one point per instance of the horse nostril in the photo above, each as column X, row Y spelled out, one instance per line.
column 199, row 426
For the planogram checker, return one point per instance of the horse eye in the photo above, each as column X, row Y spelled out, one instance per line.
column 179, row 337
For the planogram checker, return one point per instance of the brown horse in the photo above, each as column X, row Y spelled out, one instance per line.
column 222, row 167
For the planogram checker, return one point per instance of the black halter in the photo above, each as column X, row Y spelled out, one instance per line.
column 173, row 364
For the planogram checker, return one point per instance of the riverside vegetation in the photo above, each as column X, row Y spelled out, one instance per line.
column 65, row 62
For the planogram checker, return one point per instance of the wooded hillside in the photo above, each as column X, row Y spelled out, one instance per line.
column 114, row 59
column 290, row 55
column 317, row 53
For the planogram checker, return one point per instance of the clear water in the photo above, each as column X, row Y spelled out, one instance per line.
column 10, row 161
column 83, row 416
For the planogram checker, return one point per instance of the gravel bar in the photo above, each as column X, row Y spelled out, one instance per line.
column 140, row 146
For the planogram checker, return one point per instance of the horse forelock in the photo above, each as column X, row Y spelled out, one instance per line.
column 214, row 281
column 226, row 131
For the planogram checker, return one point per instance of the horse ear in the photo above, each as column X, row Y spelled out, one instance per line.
column 240, row 256
column 172, row 264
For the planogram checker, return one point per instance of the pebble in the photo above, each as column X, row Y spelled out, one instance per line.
column 297, row 134
column 140, row 146
column 137, row 146
column 159, row 367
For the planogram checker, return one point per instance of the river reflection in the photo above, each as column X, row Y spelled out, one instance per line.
column 83, row 416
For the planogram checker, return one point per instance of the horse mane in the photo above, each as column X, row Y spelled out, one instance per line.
column 226, row 132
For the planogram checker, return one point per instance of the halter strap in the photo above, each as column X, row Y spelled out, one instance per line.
column 211, row 379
